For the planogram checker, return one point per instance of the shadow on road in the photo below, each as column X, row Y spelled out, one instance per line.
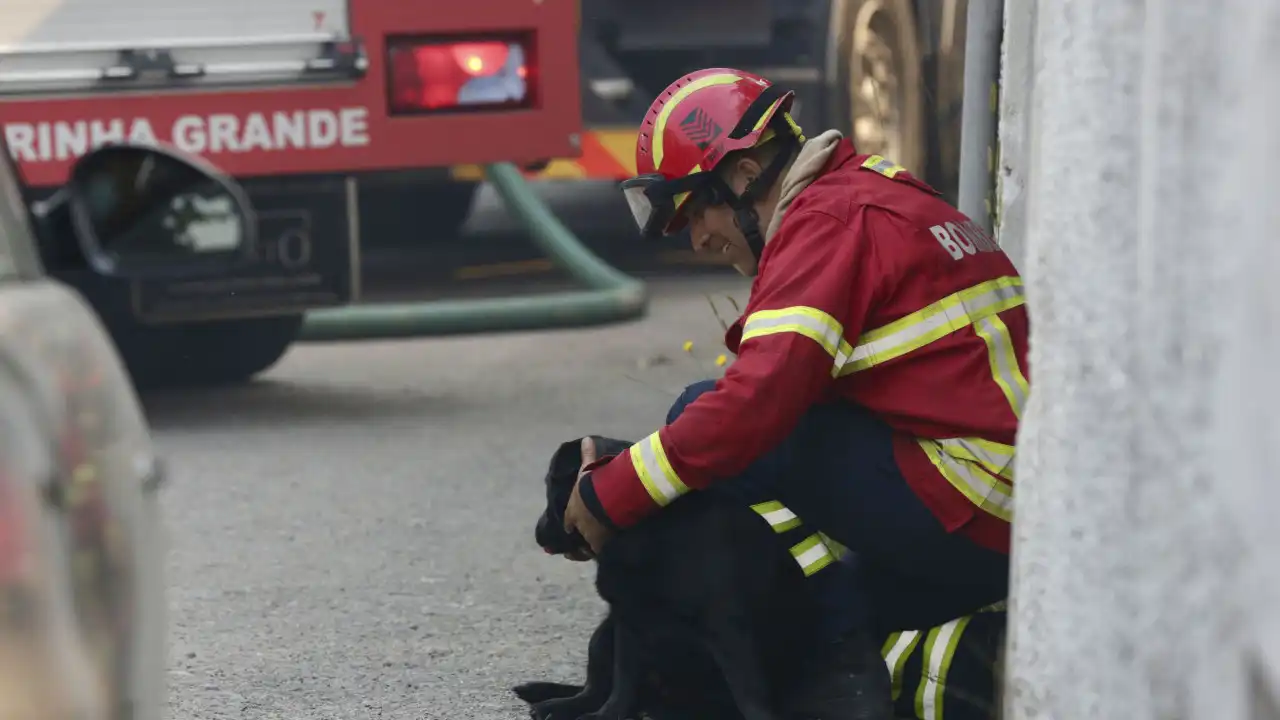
column 269, row 403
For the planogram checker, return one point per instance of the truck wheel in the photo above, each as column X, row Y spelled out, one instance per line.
column 413, row 214
column 875, row 82
column 206, row 353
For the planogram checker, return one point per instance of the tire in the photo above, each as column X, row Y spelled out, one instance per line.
column 875, row 82
column 412, row 214
column 207, row 353
column 214, row 352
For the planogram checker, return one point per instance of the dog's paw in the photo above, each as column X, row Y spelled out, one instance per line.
column 537, row 692
column 570, row 708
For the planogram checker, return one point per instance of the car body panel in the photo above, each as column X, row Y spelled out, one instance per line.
column 81, row 599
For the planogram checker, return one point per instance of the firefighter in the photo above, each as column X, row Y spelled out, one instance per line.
column 880, row 364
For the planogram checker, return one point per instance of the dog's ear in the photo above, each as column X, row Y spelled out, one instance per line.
column 610, row 446
column 562, row 472
column 565, row 462
column 567, row 459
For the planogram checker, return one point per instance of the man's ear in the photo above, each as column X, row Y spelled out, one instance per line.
column 745, row 171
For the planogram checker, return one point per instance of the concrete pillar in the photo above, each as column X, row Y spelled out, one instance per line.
column 1016, row 60
column 1146, row 582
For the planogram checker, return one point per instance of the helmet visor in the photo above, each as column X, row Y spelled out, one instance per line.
column 656, row 202
column 642, row 207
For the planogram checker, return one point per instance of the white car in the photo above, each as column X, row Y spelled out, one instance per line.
column 81, row 597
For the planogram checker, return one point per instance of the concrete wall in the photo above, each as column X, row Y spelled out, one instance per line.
column 1142, row 187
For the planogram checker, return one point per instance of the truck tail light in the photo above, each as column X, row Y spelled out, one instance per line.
column 473, row 74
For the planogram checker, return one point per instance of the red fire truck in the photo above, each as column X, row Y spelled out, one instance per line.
column 320, row 108
column 888, row 73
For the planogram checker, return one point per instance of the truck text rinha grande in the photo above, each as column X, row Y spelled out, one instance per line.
column 315, row 129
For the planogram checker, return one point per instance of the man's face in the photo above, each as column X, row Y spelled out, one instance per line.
column 714, row 230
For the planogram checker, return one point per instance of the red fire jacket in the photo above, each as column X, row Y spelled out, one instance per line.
column 877, row 291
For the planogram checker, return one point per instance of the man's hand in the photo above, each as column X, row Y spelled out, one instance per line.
column 577, row 517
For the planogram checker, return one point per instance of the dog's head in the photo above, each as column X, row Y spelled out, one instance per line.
column 561, row 477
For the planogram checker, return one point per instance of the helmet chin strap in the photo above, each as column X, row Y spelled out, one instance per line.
column 744, row 205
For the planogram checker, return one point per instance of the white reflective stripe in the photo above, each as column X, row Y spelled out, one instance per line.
column 812, row 554
column 651, row 465
column 939, row 648
column 895, row 654
column 809, row 322
column 842, row 359
column 938, row 320
column 994, row 456
column 990, row 493
column 1004, row 362
column 778, row 517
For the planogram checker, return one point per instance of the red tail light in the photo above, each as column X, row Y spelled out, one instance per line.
column 475, row 74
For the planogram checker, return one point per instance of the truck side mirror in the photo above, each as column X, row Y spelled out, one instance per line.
column 142, row 211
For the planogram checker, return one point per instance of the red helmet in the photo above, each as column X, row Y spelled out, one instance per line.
column 688, row 131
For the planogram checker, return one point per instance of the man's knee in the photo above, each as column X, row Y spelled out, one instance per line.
column 690, row 394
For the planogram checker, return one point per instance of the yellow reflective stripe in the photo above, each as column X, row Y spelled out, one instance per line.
column 812, row 554
column 887, row 168
column 765, row 117
column 651, row 464
column 681, row 198
column 812, row 323
column 989, row 492
column 980, row 469
column 939, row 649
column 895, row 651
column 779, row 517
column 660, row 122
column 952, row 313
column 1004, row 362
column 996, row 457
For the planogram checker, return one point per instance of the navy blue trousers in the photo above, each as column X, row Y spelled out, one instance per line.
column 837, row 472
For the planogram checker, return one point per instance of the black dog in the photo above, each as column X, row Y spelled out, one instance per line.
column 710, row 618
column 689, row 688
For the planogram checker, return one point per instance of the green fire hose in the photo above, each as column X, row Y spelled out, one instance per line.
column 612, row 297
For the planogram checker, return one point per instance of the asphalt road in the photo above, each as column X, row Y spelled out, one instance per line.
column 352, row 535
